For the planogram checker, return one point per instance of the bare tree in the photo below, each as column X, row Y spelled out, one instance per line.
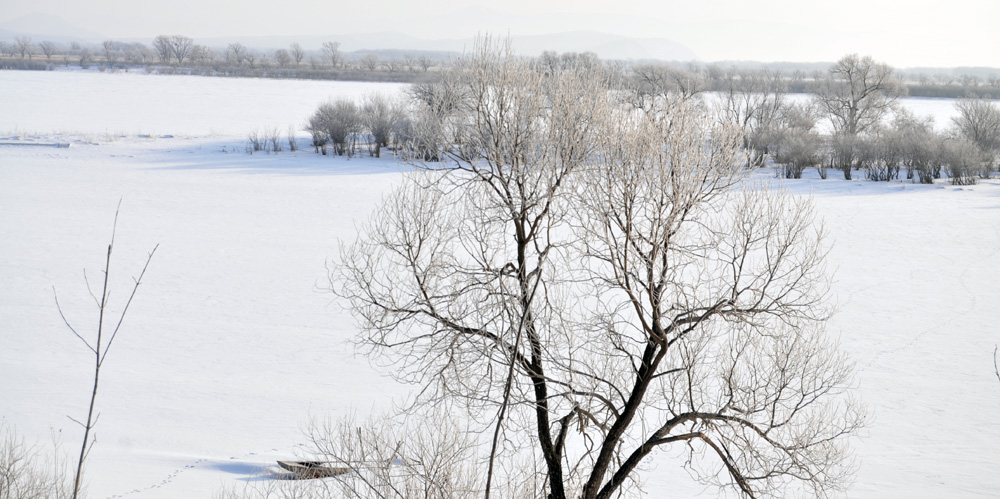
column 202, row 54
column 549, row 61
column 317, row 128
column 297, row 53
column 579, row 60
column 101, row 345
column 236, row 54
column 163, row 47
column 370, row 62
column 797, row 142
column 425, row 62
column 410, row 61
column 86, row 57
column 920, row 145
column 250, row 59
column 112, row 52
column 331, row 51
column 584, row 281
column 340, row 121
column 652, row 85
column 48, row 48
column 180, row 47
column 753, row 101
column 292, row 144
column 379, row 115
column 883, row 153
column 263, row 60
column 282, row 57
column 963, row 160
column 978, row 121
column 137, row 53
column 392, row 64
column 856, row 94
column 23, row 45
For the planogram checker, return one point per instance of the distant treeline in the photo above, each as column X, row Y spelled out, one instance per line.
column 177, row 54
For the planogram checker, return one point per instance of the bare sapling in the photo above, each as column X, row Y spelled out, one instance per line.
column 996, row 369
column 100, row 346
column 292, row 145
column 274, row 139
column 255, row 142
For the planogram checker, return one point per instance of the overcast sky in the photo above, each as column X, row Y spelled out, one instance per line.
column 901, row 33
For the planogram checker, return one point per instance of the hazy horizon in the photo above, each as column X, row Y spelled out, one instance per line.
column 925, row 34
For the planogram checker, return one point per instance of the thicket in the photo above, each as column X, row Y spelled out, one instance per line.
column 869, row 135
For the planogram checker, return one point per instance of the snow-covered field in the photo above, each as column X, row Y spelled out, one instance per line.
column 232, row 345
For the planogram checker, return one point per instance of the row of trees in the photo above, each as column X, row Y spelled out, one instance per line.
column 851, row 124
column 868, row 131
column 179, row 50
column 855, row 102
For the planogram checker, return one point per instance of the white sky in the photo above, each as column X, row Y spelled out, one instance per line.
column 901, row 33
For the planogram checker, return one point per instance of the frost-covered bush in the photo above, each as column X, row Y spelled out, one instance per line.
column 979, row 123
column 27, row 472
column 844, row 152
column 340, row 121
column 963, row 159
column 881, row 154
column 798, row 150
column 379, row 115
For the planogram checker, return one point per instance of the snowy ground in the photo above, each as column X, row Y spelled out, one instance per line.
column 232, row 344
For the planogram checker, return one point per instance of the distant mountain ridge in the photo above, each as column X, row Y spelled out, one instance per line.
column 605, row 45
column 47, row 27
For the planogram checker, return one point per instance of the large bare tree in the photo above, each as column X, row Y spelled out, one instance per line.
column 23, row 45
column 112, row 52
column 858, row 92
column 296, row 52
column 180, row 47
column 236, row 54
column 283, row 57
column 48, row 48
column 856, row 95
column 978, row 121
column 331, row 51
column 163, row 48
column 590, row 283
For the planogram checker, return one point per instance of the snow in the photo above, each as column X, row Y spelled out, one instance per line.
column 115, row 104
column 232, row 344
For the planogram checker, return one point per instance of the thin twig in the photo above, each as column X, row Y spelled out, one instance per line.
column 995, row 368
column 66, row 322
column 135, row 287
